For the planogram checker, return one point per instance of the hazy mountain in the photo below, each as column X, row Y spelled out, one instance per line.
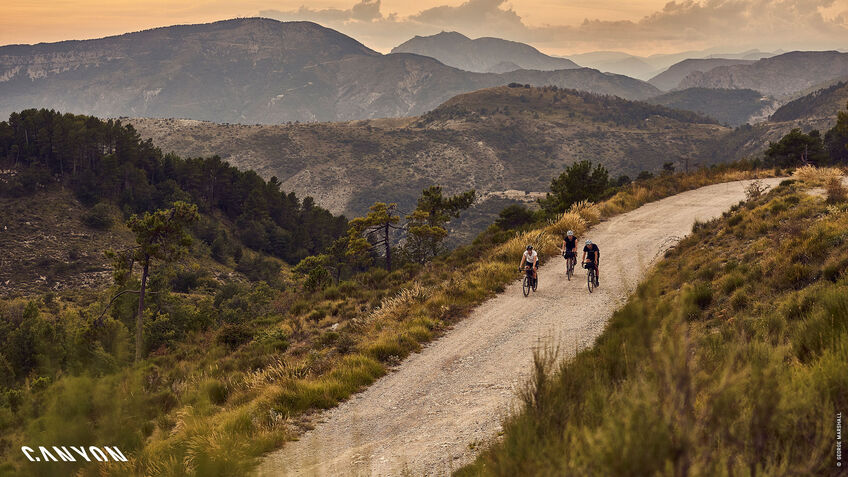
column 670, row 78
column 729, row 106
column 616, row 62
column 487, row 140
column 251, row 71
column 779, row 76
column 483, row 55
column 645, row 67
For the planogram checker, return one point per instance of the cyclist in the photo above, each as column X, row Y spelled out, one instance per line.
column 593, row 259
column 530, row 258
column 569, row 247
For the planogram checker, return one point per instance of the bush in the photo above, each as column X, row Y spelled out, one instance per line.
column 234, row 335
column 216, row 391
column 836, row 191
column 98, row 217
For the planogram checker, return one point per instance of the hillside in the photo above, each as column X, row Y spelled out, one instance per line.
column 492, row 137
column 48, row 247
column 482, row 55
column 778, row 76
column 671, row 78
column 251, row 70
column 726, row 360
column 728, row 106
column 824, row 103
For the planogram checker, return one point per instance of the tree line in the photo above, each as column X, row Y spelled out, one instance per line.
column 107, row 161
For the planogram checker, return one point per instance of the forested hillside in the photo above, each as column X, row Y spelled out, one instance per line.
column 106, row 162
column 729, row 106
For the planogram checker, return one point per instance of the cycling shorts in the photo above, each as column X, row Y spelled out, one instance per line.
column 569, row 254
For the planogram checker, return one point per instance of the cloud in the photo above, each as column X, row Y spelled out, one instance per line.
column 679, row 25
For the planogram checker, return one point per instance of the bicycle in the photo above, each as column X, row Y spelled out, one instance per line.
column 591, row 278
column 569, row 264
column 529, row 282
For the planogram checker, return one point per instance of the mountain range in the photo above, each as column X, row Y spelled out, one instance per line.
column 505, row 142
column 646, row 67
column 482, row 55
column 780, row 76
column 252, row 70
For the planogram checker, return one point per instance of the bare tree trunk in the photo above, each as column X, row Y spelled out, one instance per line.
column 388, row 249
column 139, row 319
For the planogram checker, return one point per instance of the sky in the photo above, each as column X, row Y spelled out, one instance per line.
column 557, row 27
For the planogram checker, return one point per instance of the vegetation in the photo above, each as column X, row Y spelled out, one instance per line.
column 797, row 148
column 234, row 364
column 579, row 182
column 727, row 360
column 105, row 160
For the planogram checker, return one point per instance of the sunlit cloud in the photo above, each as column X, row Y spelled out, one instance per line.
column 679, row 25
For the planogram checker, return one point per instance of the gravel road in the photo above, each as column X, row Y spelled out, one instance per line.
column 432, row 413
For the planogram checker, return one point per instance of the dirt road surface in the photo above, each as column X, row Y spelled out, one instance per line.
column 433, row 412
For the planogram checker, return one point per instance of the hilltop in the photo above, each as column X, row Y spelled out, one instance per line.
column 487, row 140
column 251, row 70
column 482, row 55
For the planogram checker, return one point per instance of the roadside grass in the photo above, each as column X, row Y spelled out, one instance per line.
column 256, row 360
column 729, row 359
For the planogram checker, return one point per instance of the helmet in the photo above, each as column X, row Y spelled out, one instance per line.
column 529, row 247
column 570, row 233
column 588, row 242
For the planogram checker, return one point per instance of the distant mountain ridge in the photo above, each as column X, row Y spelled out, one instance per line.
column 646, row 67
column 778, row 76
column 671, row 78
column 252, row 70
column 482, row 55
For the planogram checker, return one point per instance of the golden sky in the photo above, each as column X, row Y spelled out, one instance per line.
column 554, row 26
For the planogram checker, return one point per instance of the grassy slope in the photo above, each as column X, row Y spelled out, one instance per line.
column 210, row 402
column 729, row 359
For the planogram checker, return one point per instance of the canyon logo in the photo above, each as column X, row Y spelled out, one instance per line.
column 62, row 454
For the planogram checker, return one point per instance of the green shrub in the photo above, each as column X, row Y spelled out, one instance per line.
column 216, row 391
column 98, row 217
column 234, row 335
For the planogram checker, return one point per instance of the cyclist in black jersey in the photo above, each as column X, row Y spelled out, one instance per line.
column 569, row 246
column 592, row 258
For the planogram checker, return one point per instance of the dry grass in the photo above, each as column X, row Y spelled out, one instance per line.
column 817, row 176
column 836, row 191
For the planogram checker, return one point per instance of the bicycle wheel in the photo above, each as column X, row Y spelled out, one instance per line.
column 570, row 267
column 591, row 279
column 526, row 285
column 536, row 281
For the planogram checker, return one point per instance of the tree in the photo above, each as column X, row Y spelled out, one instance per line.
column 427, row 224
column 797, row 149
column 372, row 231
column 836, row 140
column 514, row 216
column 579, row 182
column 161, row 236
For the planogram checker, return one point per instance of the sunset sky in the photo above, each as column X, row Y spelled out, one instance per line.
column 554, row 26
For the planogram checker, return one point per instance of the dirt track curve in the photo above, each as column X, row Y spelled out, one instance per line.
column 429, row 415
